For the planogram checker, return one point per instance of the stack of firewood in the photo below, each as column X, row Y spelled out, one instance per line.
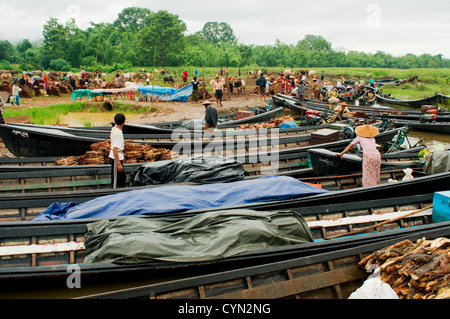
column 418, row 270
column 53, row 90
column 273, row 123
column 138, row 153
column 133, row 153
column 99, row 154
column 92, row 158
column 204, row 94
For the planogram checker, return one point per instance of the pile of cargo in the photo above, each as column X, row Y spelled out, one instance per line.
column 273, row 123
column 418, row 270
column 133, row 153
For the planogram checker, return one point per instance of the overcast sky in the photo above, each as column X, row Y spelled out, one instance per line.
column 397, row 27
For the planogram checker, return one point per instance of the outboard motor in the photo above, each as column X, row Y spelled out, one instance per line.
column 429, row 117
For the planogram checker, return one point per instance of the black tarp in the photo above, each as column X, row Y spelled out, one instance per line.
column 201, row 170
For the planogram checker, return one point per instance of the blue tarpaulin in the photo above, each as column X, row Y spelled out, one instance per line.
column 288, row 124
column 167, row 93
column 178, row 198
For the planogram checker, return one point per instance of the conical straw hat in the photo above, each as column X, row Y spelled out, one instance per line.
column 366, row 131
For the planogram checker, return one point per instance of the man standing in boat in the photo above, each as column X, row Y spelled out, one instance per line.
column 116, row 157
column 211, row 116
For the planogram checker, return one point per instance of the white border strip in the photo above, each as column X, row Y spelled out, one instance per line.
column 366, row 218
column 40, row 249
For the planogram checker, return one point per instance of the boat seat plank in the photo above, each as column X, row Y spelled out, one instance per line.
column 299, row 285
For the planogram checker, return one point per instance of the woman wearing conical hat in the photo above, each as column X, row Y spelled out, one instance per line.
column 371, row 156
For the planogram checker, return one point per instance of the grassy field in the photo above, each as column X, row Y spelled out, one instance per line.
column 49, row 115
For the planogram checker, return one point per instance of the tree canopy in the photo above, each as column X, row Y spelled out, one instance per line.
column 138, row 33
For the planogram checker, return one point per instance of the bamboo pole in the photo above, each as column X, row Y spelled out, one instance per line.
column 153, row 80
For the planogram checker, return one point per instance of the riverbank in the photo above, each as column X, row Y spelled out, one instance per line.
column 61, row 110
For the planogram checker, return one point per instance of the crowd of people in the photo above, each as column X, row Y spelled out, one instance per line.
column 322, row 88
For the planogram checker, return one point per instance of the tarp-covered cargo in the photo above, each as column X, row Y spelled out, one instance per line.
column 167, row 93
column 180, row 198
column 209, row 236
column 438, row 163
column 201, row 170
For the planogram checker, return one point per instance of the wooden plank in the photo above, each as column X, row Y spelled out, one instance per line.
column 299, row 285
column 92, row 183
column 40, row 248
column 365, row 219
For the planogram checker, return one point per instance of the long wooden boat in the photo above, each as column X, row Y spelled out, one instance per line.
column 40, row 174
column 41, row 142
column 433, row 127
column 330, row 275
column 226, row 121
column 430, row 184
column 417, row 104
column 236, row 148
column 326, row 162
column 24, row 204
column 400, row 115
column 229, row 120
column 172, row 135
column 37, row 252
column 292, row 162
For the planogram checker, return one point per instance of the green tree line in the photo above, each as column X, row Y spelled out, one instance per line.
column 142, row 38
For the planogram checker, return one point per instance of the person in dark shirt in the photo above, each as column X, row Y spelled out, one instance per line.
column 195, row 83
column 211, row 117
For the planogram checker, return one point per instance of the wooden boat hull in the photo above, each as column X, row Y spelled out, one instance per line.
column 171, row 136
column 26, row 142
column 331, row 275
column 24, row 175
column 397, row 114
column 18, row 271
column 25, row 204
column 35, row 142
column 31, row 179
column 435, row 127
column 432, row 100
column 229, row 120
column 325, row 162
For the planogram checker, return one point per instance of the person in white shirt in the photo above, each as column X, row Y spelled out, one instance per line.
column 116, row 157
column 15, row 92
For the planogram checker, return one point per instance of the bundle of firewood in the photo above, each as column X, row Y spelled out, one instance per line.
column 26, row 92
column 204, row 94
column 273, row 123
column 93, row 158
column 53, row 90
column 69, row 161
column 418, row 270
column 100, row 146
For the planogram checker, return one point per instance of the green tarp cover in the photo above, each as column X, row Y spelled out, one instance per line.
column 204, row 237
column 84, row 93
